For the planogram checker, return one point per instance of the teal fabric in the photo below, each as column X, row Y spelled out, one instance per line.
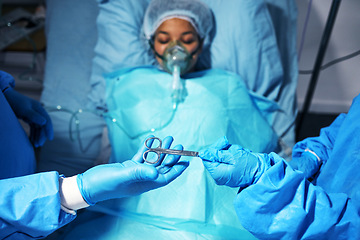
column 139, row 100
column 217, row 104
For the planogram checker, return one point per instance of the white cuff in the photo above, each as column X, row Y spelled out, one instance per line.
column 70, row 196
column 308, row 150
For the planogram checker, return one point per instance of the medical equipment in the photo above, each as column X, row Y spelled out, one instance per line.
column 21, row 24
column 18, row 24
column 108, row 115
column 177, row 61
column 176, row 58
column 158, row 150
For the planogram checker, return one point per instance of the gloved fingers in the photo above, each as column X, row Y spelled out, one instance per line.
column 219, row 156
column 166, row 144
column 211, row 165
column 138, row 157
column 142, row 172
column 34, row 117
column 34, row 134
column 49, row 131
column 169, row 161
column 38, row 135
column 209, row 153
column 48, row 128
column 221, row 143
column 32, row 113
column 174, row 172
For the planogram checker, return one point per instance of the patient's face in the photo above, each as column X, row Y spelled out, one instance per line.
column 177, row 29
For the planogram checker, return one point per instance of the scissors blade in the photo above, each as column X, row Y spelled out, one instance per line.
column 179, row 152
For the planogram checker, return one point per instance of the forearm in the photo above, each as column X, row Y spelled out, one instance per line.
column 283, row 205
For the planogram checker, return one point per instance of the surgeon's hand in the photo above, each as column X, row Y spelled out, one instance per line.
column 34, row 114
column 307, row 162
column 232, row 165
column 131, row 177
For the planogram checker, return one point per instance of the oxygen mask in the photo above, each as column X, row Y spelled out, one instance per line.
column 176, row 61
column 176, row 56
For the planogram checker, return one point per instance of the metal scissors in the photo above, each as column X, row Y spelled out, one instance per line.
column 159, row 150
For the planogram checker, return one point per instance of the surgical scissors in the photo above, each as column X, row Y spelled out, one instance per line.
column 159, row 150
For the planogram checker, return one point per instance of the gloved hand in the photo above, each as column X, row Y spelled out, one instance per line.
column 6, row 80
column 34, row 114
column 131, row 177
column 232, row 165
column 307, row 162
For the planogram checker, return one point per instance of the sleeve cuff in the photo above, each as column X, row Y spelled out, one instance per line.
column 312, row 152
column 70, row 196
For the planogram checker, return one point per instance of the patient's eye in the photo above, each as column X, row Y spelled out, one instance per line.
column 188, row 38
column 162, row 38
column 188, row 41
column 161, row 41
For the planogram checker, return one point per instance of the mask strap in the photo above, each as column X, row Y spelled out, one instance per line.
column 153, row 48
column 198, row 48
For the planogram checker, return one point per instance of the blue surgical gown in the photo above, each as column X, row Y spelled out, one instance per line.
column 29, row 205
column 17, row 154
column 284, row 205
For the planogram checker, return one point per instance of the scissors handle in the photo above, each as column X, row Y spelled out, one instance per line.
column 159, row 150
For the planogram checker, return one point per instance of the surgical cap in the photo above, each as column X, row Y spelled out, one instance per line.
column 194, row 11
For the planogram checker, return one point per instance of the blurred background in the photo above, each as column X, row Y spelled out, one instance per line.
column 24, row 54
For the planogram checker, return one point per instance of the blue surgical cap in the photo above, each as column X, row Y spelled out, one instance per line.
column 194, row 11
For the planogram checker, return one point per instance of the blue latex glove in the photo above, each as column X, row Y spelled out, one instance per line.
column 6, row 80
column 34, row 114
column 232, row 165
column 307, row 163
column 131, row 177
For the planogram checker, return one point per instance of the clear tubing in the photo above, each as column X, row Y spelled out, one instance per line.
column 177, row 97
column 177, row 88
column 73, row 119
column 114, row 120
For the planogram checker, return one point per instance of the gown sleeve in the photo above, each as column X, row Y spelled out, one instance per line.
column 284, row 205
column 30, row 206
column 323, row 144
